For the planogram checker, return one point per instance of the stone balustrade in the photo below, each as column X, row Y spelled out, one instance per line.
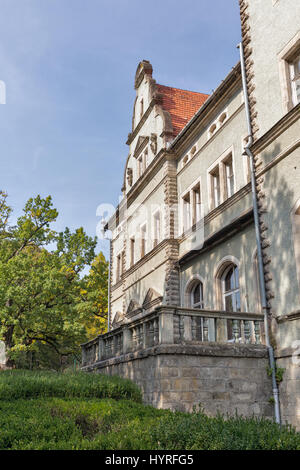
column 174, row 325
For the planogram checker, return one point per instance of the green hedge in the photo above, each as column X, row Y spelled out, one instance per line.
column 32, row 384
column 56, row 423
column 49, row 410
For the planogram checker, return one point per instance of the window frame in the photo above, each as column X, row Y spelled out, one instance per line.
column 219, row 167
column 231, row 292
column 287, row 56
column 200, row 304
column 143, row 239
column 156, row 237
column 187, row 220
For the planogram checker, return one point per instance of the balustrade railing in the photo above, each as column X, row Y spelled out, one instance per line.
column 174, row 325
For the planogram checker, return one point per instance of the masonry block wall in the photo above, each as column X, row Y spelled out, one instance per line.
column 289, row 392
column 228, row 378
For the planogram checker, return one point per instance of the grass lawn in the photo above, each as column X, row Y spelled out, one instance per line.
column 48, row 410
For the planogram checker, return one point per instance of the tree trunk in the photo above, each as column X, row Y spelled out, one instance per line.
column 8, row 341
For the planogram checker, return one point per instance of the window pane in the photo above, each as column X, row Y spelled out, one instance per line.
column 229, row 280
column 297, row 88
column 236, row 274
column 237, row 302
column 228, row 303
column 196, row 298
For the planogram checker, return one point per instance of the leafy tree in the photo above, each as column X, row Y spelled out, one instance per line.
column 95, row 297
column 41, row 291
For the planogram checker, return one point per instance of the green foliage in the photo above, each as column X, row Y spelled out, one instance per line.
column 279, row 371
column 44, row 300
column 64, row 411
column 94, row 296
column 32, row 384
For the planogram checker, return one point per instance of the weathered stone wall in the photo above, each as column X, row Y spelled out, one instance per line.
column 289, row 390
column 224, row 377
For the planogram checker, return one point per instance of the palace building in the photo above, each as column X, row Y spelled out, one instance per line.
column 204, row 303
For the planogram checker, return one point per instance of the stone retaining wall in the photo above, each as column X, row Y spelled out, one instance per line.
column 289, row 388
column 226, row 377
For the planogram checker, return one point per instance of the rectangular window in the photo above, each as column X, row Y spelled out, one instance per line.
column 140, row 166
column 229, row 177
column 295, row 79
column 119, row 263
column 142, row 163
column 156, row 229
column 289, row 73
column 132, row 248
column 215, row 187
column 141, row 108
column 196, row 215
column 143, row 241
column 186, row 212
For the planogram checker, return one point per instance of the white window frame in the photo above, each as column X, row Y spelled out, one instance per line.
column 200, row 304
column 143, row 240
column 189, row 191
column 220, row 163
column 285, row 58
column 293, row 79
column 232, row 292
column 156, row 237
column 119, row 267
column 132, row 251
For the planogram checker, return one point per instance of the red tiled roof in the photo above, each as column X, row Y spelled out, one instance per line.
column 181, row 104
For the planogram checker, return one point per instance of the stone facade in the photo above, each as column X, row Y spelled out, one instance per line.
column 227, row 378
column 276, row 129
column 183, row 236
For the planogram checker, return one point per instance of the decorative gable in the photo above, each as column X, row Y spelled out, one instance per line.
column 151, row 299
column 133, row 308
column 117, row 319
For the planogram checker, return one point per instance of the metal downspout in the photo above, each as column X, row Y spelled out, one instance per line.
column 258, row 241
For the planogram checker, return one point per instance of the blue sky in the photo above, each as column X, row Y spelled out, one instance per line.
column 69, row 67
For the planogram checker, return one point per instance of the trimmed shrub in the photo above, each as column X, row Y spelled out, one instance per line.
column 31, row 384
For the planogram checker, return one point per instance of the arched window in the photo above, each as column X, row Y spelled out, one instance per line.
column 231, row 289
column 194, row 299
column 194, row 293
column 197, row 295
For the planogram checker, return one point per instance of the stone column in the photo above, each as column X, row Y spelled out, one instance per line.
column 221, row 330
column 187, row 332
column 126, row 340
column 171, row 288
column 101, row 349
column 166, row 329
